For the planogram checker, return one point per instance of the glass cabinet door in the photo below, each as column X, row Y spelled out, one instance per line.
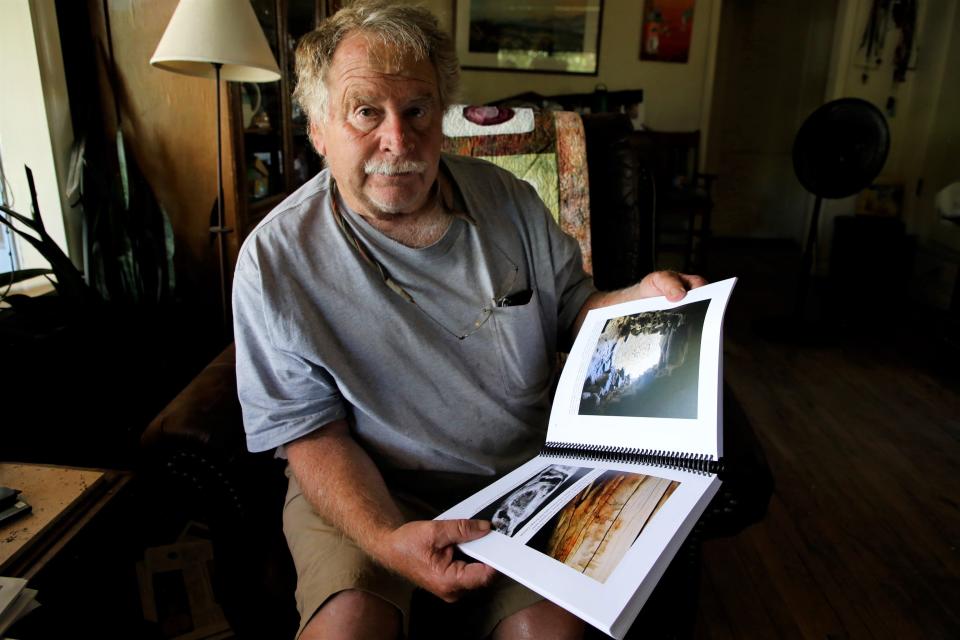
column 262, row 108
column 273, row 154
column 301, row 19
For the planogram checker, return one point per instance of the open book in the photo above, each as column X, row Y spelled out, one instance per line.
column 633, row 448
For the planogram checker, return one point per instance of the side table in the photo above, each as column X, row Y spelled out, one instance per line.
column 64, row 501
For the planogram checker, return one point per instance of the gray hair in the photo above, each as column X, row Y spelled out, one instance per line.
column 407, row 29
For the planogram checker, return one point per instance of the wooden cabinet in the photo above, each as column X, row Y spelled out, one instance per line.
column 272, row 155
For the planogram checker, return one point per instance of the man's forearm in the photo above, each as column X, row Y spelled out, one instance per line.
column 602, row 299
column 343, row 485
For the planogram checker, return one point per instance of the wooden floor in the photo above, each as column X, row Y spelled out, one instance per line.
column 863, row 438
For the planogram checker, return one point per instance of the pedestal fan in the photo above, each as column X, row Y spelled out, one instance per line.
column 839, row 150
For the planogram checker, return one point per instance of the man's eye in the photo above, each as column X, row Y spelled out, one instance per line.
column 417, row 112
column 366, row 112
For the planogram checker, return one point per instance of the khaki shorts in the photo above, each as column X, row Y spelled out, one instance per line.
column 327, row 562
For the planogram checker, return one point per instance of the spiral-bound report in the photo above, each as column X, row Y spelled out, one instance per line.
column 630, row 462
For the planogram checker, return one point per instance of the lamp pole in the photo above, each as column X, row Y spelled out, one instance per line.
column 220, row 229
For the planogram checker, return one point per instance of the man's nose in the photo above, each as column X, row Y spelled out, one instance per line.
column 396, row 136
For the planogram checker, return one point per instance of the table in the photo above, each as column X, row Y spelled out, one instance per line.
column 64, row 501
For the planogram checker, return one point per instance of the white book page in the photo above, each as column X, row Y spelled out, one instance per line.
column 646, row 374
column 594, row 537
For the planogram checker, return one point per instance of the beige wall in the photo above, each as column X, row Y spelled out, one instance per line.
column 674, row 94
column 939, row 160
column 914, row 99
column 921, row 150
column 758, row 193
column 772, row 71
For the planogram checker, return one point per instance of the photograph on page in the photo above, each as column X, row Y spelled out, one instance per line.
column 647, row 365
column 594, row 530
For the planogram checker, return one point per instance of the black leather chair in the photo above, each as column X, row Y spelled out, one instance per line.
column 621, row 202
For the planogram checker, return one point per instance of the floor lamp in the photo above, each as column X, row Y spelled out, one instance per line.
column 223, row 40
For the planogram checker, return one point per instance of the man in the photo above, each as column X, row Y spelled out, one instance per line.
column 397, row 320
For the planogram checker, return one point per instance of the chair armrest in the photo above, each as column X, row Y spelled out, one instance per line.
column 206, row 412
column 198, row 442
column 198, row 448
column 621, row 202
column 747, row 481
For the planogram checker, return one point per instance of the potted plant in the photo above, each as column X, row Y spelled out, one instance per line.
column 93, row 350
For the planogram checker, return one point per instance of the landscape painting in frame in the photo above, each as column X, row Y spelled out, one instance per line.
column 647, row 365
column 545, row 36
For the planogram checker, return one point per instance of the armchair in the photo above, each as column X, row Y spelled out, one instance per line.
column 622, row 199
column 197, row 446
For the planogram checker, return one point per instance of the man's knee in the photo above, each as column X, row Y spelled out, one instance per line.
column 354, row 614
column 541, row 620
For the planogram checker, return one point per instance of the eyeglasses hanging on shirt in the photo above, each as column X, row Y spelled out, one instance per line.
column 517, row 298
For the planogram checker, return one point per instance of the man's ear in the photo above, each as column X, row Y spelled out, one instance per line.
column 317, row 137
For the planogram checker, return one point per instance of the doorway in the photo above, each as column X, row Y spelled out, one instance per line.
column 773, row 60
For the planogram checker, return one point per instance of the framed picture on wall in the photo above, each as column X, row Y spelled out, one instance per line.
column 540, row 36
column 667, row 30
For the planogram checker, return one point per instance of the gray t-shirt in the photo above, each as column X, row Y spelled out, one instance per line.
column 319, row 336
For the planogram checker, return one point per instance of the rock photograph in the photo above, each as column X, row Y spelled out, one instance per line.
column 593, row 532
column 647, row 365
column 514, row 510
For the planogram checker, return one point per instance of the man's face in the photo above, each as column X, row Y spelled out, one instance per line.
column 381, row 137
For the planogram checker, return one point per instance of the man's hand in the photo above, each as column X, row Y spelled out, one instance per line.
column 671, row 284
column 422, row 551
column 344, row 486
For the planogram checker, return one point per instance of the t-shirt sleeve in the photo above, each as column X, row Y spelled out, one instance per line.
column 282, row 395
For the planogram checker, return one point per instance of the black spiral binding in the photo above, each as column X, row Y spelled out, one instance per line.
column 696, row 462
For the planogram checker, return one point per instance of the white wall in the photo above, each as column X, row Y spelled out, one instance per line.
column 35, row 128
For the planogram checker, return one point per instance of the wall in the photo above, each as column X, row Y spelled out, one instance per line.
column 772, row 70
column 35, row 128
column 676, row 96
column 937, row 267
column 942, row 161
column 921, row 117
column 169, row 124
column 773, row 77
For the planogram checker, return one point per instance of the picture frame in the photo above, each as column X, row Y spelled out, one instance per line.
column 537, row 36
column 667, row 30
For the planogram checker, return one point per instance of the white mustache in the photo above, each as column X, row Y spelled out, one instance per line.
column 386, row 168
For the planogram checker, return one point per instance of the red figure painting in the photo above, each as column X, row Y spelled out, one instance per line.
column 667, row 28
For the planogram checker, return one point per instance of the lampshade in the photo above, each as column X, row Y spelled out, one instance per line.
column 204, row 32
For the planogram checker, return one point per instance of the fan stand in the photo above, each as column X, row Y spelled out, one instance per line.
column 839, row 150
column 806, row 263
